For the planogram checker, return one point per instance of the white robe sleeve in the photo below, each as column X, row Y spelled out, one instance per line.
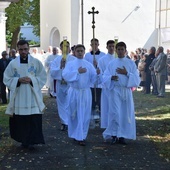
column 69, row 73
column 107, row 82
column 55, row 71
column 133, row 78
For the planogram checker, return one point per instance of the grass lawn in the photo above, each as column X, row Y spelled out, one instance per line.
column 152, row 118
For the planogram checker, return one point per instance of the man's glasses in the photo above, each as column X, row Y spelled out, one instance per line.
column 23, row 49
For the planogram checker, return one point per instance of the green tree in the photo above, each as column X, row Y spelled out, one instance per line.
column 34, row 18
column 23, row 11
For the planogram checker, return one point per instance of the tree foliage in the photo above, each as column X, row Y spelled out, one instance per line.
column 34, row 18
column 19, row 13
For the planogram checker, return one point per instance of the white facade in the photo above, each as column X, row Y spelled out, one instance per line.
column 27, row 33
column 134, row 22
column 3, row 19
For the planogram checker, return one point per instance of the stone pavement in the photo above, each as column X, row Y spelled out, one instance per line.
column 61, row 152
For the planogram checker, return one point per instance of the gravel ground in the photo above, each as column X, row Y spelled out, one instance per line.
column 61, row 152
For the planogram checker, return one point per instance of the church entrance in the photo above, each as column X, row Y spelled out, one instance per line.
column 55, row 37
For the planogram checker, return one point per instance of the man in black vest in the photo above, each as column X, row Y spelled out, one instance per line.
column 148, row 61
column 3, row 64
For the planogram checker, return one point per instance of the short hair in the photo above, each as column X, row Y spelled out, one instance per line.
column 110, row 42
column 120, row 44
column 153, row 49
column 79, row 45
column 94, row 39
column 161, row 49
column 22, row 42
column 4, row 53
column 73, row 47
column 62, row 43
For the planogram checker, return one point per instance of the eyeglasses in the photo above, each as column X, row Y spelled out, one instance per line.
column 23, row 49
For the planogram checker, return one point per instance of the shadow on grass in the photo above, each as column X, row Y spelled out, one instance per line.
column 153, row 127
column 153, row 120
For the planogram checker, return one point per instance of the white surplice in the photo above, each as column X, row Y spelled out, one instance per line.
column 121, row 118
column 50, row 80
column 79, row 97
column 61, row 89
column 102, row 64
column 26, row 99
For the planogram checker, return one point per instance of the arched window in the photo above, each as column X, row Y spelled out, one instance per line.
column 55, row 37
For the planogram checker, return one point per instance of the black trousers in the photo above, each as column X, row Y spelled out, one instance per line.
column 3, row 92
column 97, row 96
column 148, row 82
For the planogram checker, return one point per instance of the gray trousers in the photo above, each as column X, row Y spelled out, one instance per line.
column 160, row 79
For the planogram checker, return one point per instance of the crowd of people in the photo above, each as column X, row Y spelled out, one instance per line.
column 154, row 69
column 83, row 84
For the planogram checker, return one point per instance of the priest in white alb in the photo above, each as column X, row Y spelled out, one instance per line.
column 25, row 76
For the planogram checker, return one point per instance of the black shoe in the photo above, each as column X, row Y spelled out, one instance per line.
column 82, row 143
column 64, row 127
column 114, row 140
column 122, row 141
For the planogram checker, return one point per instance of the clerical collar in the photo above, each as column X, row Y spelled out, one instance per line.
column 24, row 60
column 96, row 53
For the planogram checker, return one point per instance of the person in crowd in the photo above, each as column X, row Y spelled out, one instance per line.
column 25, row 76
column 73, row 50
column 148, row 61
column 141, row 68
column 153, row 76
column 51, row 83
column 132, row 55
column 93, row 57
column 138, row 52
column 168, row 66
column 102, row 65
column 35, row 53
column 136, row 60
column 56, row 69
column 119, row 77
column 160, row 71
column 12, row 54
column 4, row 61
column 47, row 53
column 79, row 73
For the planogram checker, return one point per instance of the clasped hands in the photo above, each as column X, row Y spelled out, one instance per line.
column 25, row 80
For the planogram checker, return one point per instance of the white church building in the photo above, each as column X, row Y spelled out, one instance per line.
column 139, row 23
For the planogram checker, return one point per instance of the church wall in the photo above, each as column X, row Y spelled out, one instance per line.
column 115, row 18
column 118, row 18
column 54, row 13
column 76, row 21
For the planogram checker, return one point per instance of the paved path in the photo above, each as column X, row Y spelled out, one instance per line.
column 60, row 152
